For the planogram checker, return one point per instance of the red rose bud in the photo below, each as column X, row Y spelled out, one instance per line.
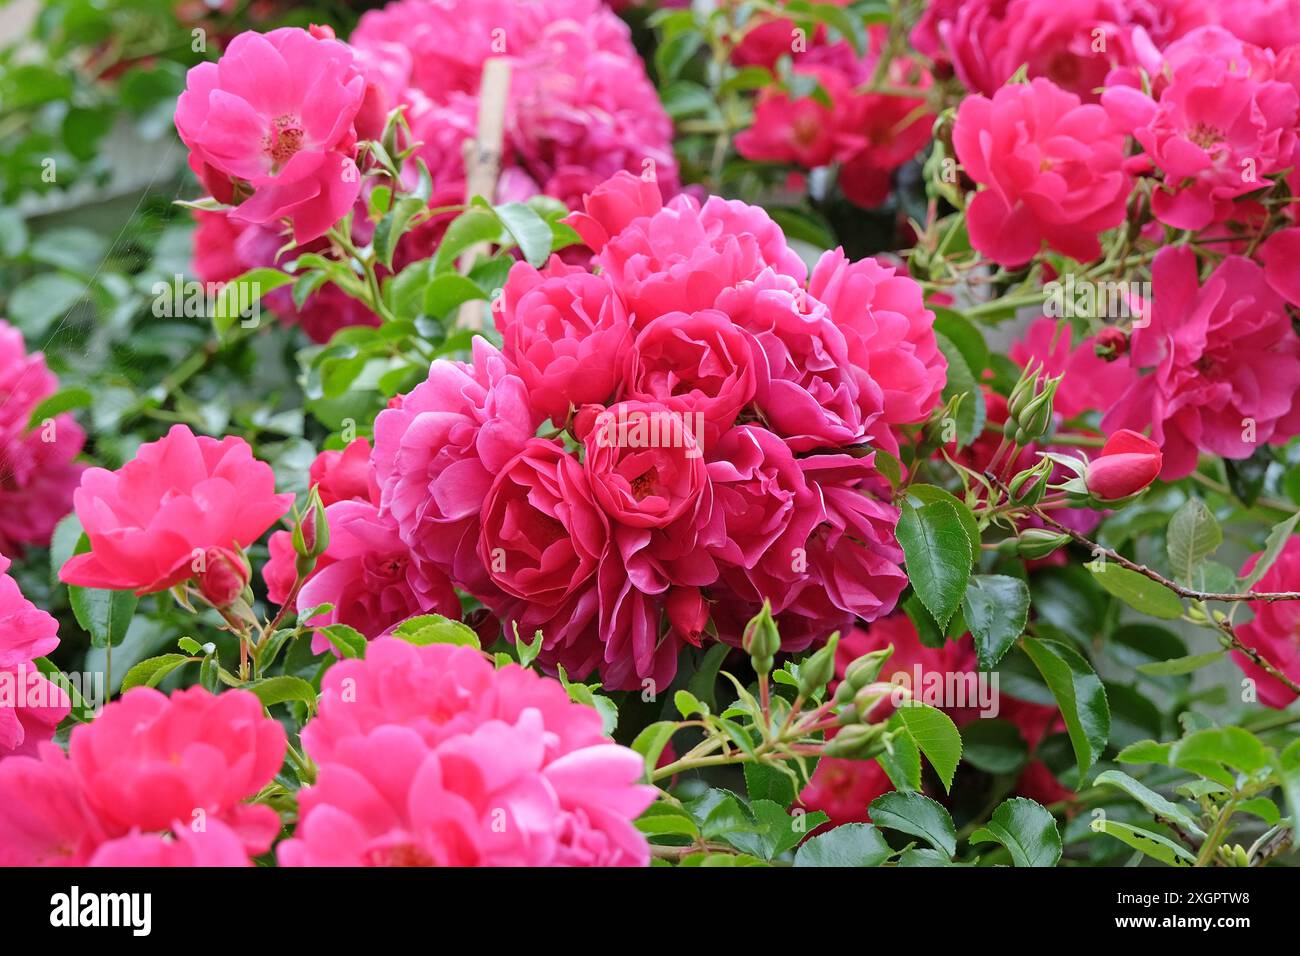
column 223, row 577
column 1127, row 464
column 687, row 613
column 321, row 31
column 1110, row 343
column 372, row 117
column 584, row 420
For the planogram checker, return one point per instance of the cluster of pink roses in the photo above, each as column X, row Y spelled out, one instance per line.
column 868, row 135
column 580, row 109
column 710, row 408
column 430, row 756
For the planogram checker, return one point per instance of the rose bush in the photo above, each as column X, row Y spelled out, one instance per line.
column 845, row 435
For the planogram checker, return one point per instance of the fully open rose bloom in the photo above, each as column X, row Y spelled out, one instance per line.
column 38, row 471
column 1052, row 167
column 277, row 113
column 1274, row 631
column 151, row 781
column 1224, row 361
column 151, row 522
column 430, row 756
column 30, row 706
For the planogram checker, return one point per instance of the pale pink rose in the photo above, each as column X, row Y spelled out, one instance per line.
column 179, row 496
column 276, row 112
column 1053, row 169
column 810, row 390
column 1224, row 364
column 700, row 364
column 214, row 845
column 1274, row 628
column 890, row 335
column 149, row 761
column 38, row 470
column 566, row 333
column 424, row 750
column 1217, row 130
column 370, row 576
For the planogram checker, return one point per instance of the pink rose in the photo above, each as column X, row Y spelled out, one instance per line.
column 1274, row 628
column 1128, row 463
column 685, row 255
column 1053, row 169
column 890, row 335
column 370, row 576
column 33, row 707
column 179, row 496
column 277, row 111
column 812, row 393
column 541, row 539
column 149, row 761
column 39, row 469
column 1218, row 128
column 1279, row 254
column 437, row 453
column 565, row 332
column 345, row 475
column 612, row 206
column 432, row 744
column 44, row 817
column 768, row 511
column 1224, row 361
column 700, row 364
column 806, row 130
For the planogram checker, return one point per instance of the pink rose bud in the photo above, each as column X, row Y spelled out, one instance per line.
column 223, row 577
column 1127, row 464
column 1111, row 343
column 687, row 613
column 321, row 31
column 372, row 117
column 584, row 420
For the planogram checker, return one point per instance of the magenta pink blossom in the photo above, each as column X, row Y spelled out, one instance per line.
column 276, row 112
column 1274, row 629
column 1053, row 169
column 181, row 495
column 1224, row 364
column 30, row 706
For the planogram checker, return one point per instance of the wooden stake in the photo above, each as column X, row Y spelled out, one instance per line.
column 483, row 164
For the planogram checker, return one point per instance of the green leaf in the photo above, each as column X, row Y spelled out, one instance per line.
column 436, row 629
column 650, row 743
column 937, row 550
column 1193, row 535
column 150, row 673
column 1288, row 769
column 238, row 296
column 1277, row 538
column 994, row 746
column 104, row 615
column 1180, row 665
column 674, row 52
column 1078, row 692
column 476, row 224
column 1026, row 829
column 996, row 607
column 660, row 819
column 917, row 815
column 1152, row 844
column 393, row 225
column 348, row 641
column 766, row 782
column 1138, row 591
column 901, row 761
column 530, row 231
column 58, row 403
column 1210, row 752
column 278, row 690
column 936, row 736
column 449, row 291
column 36, row 302
column 853, row 844
column 1158, row 805
column 1145, row 751
column 927, row 494
column 971, row 412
